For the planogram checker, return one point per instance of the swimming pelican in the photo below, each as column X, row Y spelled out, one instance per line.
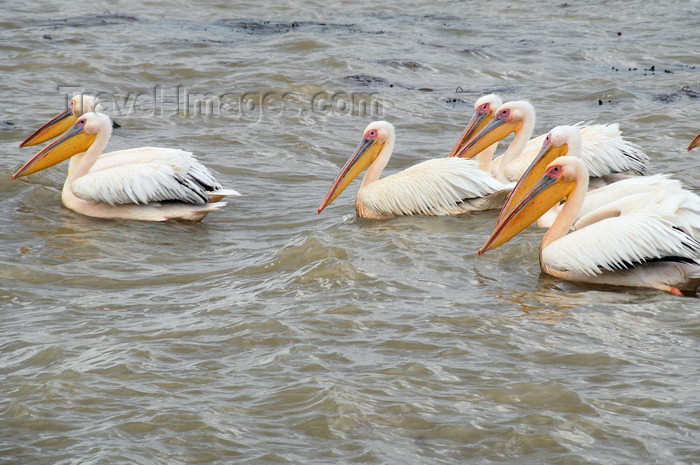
column 694, row 143
column 442, row 186
column 647, row 239
column 147, row 183
column 484, row 111
column 605, row 152
column 563, row 140
column 77, row 106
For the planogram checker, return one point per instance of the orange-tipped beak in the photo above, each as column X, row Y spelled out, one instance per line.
column 547, row 192
column 54, row 128
column 695, row 143
column 363, row 156
column 534, row 172
column 497, row 129
column 476, row 124
column 72, row 143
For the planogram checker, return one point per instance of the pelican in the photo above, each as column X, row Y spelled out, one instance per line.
column 646, row 239
column 147, row 183
column 77, row 106
column 605, row 152
column 484, row 111
column 563, row 140
column 694, row 143
column 443, row 186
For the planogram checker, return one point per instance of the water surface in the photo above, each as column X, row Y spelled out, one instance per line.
column 271, row 334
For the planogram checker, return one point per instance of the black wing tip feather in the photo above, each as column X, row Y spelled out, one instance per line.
column 689, row 242
column 199, row 193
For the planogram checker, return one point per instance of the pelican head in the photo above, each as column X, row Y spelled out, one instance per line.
column 561, row 141
column 78, row 105
column 694, row 143
column 484, row 110
column 375, row 137
column 557, row 183
column 510, row 117
column 76, row 140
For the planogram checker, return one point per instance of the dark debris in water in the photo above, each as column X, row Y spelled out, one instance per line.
column 412, row 18
column 104, row 19
column 408, row 64
column 431, row 44
column 367, row 80
column 4, row 124
column 442, row 17
column 650, row 71
column 263, row 27
column 481, row 92
column 208, row 41
column 686, row 91
column 456, row 101
column 690, row 92
column 475, row 93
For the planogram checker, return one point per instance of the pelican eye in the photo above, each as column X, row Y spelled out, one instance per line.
column 554, row 171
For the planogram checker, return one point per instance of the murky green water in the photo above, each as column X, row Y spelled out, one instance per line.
column 271, row 334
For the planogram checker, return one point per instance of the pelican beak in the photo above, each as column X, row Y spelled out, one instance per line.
column 695, row 143
column 364, row 155
column 535, row 171
column 497, row 129
column 73, row 142
column 53, row 128
column 547, row 192
column 476, row 124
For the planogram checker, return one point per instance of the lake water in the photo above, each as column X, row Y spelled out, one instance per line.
column 270, row 334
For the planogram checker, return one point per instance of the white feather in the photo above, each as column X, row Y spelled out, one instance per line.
column 604, row 152
column 616, row 243
column 643, row 225
column 641, row 231
column 433, row 187
column 443, row 186
column 145, row 175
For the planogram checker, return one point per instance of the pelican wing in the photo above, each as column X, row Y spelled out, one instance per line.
column 146, row 175
column 632, row 230
column 433, row 187
column 633, row 185
column 604, row 151
column 180, row 160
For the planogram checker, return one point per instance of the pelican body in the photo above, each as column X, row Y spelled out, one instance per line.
column 570, row 143
column 604, row 150
column 147, row 183
column 644, row 239
column 443, row 186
